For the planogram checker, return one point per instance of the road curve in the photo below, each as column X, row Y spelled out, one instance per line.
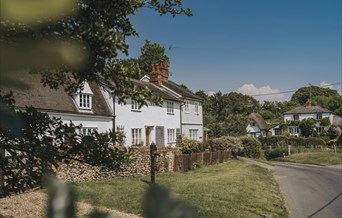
column 310, row 191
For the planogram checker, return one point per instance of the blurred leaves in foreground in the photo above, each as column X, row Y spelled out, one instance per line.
column 157, row 203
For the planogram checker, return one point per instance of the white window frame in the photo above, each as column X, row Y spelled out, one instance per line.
column 88, row 130
column 295, row 116
column 319, row 116
column 169, row 105
column 136, row 136
column 193, row 134
column 135, row 106
column 187, row 106
column 196, row 108
column 85, row 101
column 171, row 135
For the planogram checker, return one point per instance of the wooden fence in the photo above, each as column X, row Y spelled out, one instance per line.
column 186, row 162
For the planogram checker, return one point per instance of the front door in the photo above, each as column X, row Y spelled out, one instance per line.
column 147, row 136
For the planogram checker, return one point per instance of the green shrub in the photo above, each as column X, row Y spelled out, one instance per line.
column 325, row 121
column 225, row 143
column 314, row 142
column 188, row 146
column 251, row 147
column 275, row 153
column 274, row 141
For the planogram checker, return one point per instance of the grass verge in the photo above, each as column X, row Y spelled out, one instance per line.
column 231, row 189
column 317, row 158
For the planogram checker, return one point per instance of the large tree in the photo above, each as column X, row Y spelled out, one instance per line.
column 67, row 42
column 83, row 45
column 303, row 94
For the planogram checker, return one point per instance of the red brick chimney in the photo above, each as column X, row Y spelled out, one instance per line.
column 308, row 103
column 159, row 74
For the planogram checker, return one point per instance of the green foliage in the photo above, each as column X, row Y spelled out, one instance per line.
column 283, row 141
column 152, row 54
column 339, row 140
column 158, row 202
column 267, row 115
column 80, row 46
column 235, row 125
column 325, row 121
column 225, row 143
column 43, row 143
column 251, row 147
column 306, row 127
column 303, row 94
column 188, row 146
column 275, row 153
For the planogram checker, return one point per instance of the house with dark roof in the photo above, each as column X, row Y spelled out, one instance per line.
column 308, row 112
column 87, row 109
column 257, row 126
column 191, row 114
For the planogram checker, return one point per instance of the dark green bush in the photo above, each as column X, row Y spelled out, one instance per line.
column 225, row 143
column 251, row 147
column 275, row 153
column 274, row 141
column 314, row 142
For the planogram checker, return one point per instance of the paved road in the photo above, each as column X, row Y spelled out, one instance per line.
column 310, row 191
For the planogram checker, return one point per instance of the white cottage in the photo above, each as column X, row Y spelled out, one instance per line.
column 87, row 108
column 257, row 126
column 191, row 116
column 301, row 113
column 147, row 124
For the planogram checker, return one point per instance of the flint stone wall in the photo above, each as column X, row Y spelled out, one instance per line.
column 140, row 165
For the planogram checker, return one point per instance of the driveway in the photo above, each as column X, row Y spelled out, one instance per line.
column 310, row 191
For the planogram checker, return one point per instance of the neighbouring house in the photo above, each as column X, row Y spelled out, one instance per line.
column 257, row 126
column 191, row 116
column 276, row 130
column 294, row 116
column 87, row 109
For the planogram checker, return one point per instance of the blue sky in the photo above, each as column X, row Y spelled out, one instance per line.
column 249, row 46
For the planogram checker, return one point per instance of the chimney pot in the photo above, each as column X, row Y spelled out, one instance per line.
column 152, row 67
column 157, row 67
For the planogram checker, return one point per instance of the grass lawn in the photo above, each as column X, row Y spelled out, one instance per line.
column 231, row 189
column 318, row 158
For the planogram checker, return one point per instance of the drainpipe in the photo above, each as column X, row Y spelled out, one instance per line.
column 113, row 137
column 181, row 129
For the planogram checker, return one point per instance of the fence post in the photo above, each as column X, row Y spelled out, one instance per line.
column 2, row 176
column 153, row 149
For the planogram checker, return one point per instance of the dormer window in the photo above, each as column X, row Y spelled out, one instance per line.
column 85, row 101
column 84, row 98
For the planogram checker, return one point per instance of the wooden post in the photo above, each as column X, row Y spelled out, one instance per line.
column 2, row 176
column 153, row 149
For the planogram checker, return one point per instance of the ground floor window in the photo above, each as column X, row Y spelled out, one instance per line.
column 88, row 130
column 136, row 137
column 193, row 134
column 253, row 134
column 294, row 130
column 277, row 131
column 171, row 136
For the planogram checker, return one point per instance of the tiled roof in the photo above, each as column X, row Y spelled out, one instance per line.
column 158, row 91
column 180, row 90
column 259, row 120
column 47, row 99
column 308, row 110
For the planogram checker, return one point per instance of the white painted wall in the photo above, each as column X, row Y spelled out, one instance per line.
column 253, row 130
column 289, row 117
column 151, row 116
column 307, row 116
column 192, row 120
column 101, row 123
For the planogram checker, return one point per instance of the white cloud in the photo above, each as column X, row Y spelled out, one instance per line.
column 326, row 85
column 210, row 93
column 264, row 93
